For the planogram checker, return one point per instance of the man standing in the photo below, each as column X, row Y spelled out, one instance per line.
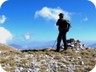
column 63, row 26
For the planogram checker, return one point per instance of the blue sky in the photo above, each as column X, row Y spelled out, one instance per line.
column 34, row 20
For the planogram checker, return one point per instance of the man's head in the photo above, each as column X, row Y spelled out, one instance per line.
column 61, row 15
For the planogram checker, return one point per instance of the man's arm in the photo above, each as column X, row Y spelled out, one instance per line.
column 57, row 23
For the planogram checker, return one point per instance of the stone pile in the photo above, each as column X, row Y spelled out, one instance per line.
column 72, row 43
column 75, row 44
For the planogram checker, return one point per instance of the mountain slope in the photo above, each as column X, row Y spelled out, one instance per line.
column 4, row 47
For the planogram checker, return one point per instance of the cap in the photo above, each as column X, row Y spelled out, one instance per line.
column 61, row 14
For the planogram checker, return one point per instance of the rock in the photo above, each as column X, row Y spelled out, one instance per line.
column 0, row 52
column 82, row 63
column 70, row 69
column 94, row 55
column 21, row 68
column 79, row 57
column 17, row 70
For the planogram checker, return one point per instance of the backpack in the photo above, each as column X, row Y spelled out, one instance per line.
column 67, row 25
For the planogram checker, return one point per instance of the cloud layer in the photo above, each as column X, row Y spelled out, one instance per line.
column 2, row 19
column 52, row 13
column 5, row 35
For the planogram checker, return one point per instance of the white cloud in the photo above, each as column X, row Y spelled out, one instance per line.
column 1, row 2
column 52, row 13
column 85, row 19
column 5, row 35
column 2, row 19
column 27, row 36
column 94, row 2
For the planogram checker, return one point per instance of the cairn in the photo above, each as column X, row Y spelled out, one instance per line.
column 74, row 44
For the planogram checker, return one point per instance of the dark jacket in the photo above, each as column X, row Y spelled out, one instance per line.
column 63, row 24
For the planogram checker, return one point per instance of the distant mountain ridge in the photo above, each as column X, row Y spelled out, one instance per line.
column 43, row 44
column 93, row 45
column 32, row 44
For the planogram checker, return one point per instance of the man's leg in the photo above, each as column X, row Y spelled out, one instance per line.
column 64, row 40
column 58, row 42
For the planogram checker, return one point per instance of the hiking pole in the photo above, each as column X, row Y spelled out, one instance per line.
column 54, row 43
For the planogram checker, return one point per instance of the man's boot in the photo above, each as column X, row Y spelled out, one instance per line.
column 58, row 48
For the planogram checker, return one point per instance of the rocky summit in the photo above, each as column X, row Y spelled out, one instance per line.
column 77, row 58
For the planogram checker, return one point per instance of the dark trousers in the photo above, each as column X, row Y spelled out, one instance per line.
column 62, row 35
